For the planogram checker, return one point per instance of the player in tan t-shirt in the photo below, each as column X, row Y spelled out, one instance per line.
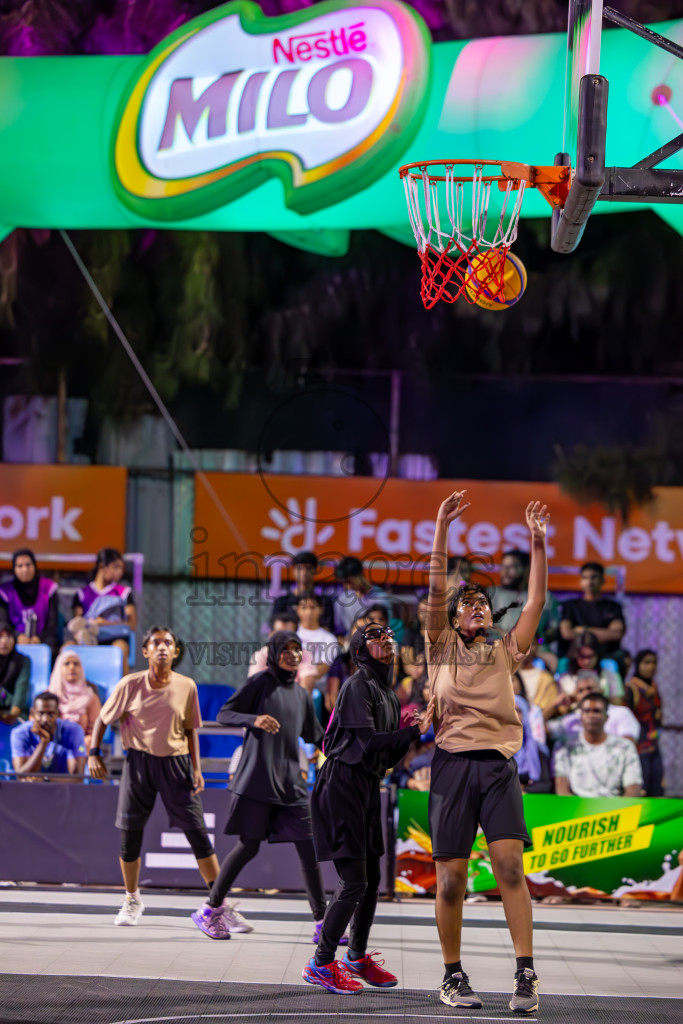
column 474, row 778
column 159, row 714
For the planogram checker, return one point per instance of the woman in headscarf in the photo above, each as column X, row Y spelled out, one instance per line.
column 78, row 699
column 268, row 798
column 30, row 602
column 104, row 609
column 363, row 741
column 15, row 677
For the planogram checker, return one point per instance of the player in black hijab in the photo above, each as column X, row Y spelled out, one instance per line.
column 362, row 742
column 268, row 798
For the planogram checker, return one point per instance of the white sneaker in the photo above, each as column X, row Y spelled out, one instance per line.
column 131, row 910
column 234, row 920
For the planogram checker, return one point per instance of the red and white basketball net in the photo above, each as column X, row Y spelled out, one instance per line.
column 455, row 262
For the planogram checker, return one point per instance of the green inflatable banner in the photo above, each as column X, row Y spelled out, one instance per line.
column 297, row 125
column 602, row 848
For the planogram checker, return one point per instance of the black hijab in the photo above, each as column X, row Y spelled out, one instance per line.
column 10, row 664
column 276, row 645
column 362, row 657
column 26, row 592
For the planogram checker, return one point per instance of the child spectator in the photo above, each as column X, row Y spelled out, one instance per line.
column 319, row 643
column 104, row 610
column 343, row 665
column 642, row 696
column 28, row 602
column 584, row 656
column 47, row 744
column 15, row 677
column 304, row 566
column 78, row 699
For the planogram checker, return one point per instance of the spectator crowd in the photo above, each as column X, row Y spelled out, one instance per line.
column 590, row 712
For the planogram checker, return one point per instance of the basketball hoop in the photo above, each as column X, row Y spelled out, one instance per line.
column 462, row 258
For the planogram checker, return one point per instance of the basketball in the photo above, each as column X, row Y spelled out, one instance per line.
column 514, row 283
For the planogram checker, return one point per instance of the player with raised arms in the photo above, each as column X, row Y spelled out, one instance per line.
column 474, row 778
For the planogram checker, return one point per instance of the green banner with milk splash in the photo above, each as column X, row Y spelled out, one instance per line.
column 602, row 848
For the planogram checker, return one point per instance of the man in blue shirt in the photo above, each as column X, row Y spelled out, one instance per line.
column 47, row 744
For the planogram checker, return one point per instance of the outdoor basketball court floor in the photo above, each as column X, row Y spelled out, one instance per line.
column 63, row 962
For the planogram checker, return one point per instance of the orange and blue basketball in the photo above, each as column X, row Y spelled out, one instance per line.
column 483, row 280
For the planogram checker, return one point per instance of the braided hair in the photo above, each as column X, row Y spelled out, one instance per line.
column 474, row 590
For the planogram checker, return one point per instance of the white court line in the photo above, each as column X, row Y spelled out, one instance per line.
column 291, row 984
column 339, row 1013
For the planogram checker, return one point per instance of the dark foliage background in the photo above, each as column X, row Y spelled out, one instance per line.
column 582, row 379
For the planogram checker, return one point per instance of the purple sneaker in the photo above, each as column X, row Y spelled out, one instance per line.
column 344, row 941
column 211, row 920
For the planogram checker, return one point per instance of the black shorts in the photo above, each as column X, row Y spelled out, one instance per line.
column 256, row 819
column 145, row 775
column 472, row 788
column 346, row 811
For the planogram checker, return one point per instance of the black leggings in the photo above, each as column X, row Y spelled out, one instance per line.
column 355, row 897
column 247, row 849
column 131, row 843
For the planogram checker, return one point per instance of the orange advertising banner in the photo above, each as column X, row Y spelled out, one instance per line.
column 389, row 525
column 62, row 510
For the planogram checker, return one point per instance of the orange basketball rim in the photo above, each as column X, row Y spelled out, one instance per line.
column 448, row 206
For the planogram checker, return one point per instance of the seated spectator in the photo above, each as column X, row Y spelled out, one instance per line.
column 15, row 677
column 642, row 697
column 540, row 687
column 620, row 721
column 513, row 592
column 533, row 761
column 322, row 645
column 46, row 744
column 104, row 610
column 411, row 697
column 343, row 665
column 602, row 616
column 304, row 567
column 415, row 772
column 593, row 763
column 282, row 620
column 584, row 656
column 28, row 602
column 357, row 595
column 78, row 699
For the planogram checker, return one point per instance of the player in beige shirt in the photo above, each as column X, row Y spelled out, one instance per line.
column 159, row 714
column 474, row 778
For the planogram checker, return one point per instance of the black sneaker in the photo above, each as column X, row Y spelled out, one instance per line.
column 525, row 993
column 456, row 991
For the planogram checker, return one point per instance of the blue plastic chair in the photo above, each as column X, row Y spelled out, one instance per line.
column 41, row 664
column 212, row 697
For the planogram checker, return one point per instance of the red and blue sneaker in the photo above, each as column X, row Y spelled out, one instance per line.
column 334, row 977
column 370, row 969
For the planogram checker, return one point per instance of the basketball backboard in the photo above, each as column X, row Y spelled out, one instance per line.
column 585, row 129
